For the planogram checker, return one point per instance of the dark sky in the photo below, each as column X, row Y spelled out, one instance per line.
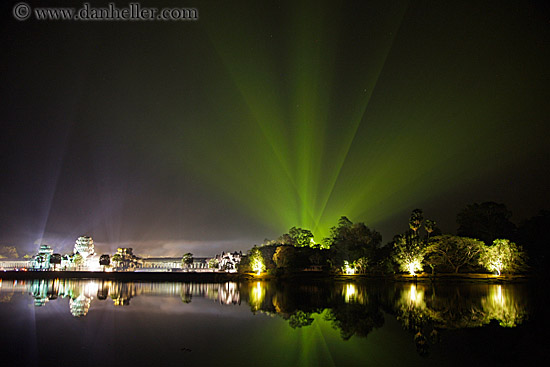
column 214, row 134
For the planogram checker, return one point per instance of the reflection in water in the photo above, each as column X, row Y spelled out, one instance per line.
column 81, row 293
column 418, row 307
column 350, row 293
column 415, row 316
column 501, row 305
column 257, row 295
column 80, row 305
column 423, row 310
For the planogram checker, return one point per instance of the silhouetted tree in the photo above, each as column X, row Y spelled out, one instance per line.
column 534, row 234
column 104, row 260
column 415, row 221
column 351, row 241
column 430, row 226
column 187, row 260
column 55, row 259
column 486, row 221
column 285, row 256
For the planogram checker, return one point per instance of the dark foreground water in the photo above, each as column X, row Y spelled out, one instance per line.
column 102, row 323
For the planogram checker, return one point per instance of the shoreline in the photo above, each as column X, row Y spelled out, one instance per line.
column 212, row 277
column 127, row 276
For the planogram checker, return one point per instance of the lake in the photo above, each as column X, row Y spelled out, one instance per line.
column 319, row 323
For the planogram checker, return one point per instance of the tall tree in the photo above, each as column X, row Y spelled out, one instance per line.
column 486, row 221
column 350, row 241
column 55, row 259
column 78, row 260
column 104, row 260
column 408, row 252
column 430, row 226
column 415, row 221
column 256, row 260
column 301, row 237
column 187, row 260
column 285, row 256
column 117, row 259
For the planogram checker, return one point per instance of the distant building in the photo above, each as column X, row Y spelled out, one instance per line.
column 84, row 246
column 17, row 264
column 125, row 260
column 228, row 261
column 173, row 264
column 41, row 261
column 161, row 263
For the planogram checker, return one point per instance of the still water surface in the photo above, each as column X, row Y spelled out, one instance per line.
column 102, row 323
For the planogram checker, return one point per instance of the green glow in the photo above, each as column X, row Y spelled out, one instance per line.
column 303, row 130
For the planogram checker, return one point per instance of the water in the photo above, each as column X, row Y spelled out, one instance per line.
column 101, row 323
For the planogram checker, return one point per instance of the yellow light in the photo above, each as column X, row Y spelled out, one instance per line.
column 412, row 294
column 348, row 270
column 350, row 293
column 257, row 295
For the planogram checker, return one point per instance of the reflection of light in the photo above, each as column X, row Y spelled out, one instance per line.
column 350, row 293
column 348, row 269
column 414, row 266
column 497, row 296
column 257, row 295
column 79, row 307
column 229, row 293
column 90, row 289
column 502, row 305
column 412, row 295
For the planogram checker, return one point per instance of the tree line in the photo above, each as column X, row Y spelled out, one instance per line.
column 486, row 241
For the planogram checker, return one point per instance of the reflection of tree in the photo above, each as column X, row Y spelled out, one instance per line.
column 102, row 291
column 416, row 317
column 355, row 319
column 501, row 305
column 300, row 319
column 423, row 312
column 186, row 297
column 121, row 293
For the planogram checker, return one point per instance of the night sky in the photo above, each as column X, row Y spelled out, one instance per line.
column 210, row 135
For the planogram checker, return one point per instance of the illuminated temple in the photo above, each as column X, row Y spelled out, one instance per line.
column 84, row 258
